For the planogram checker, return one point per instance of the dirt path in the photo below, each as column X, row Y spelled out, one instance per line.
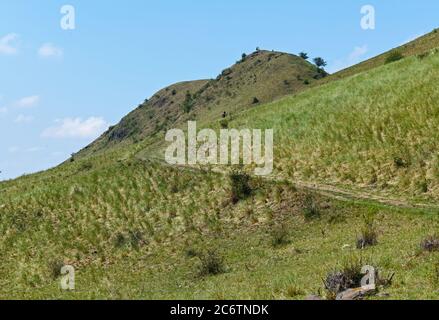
column 324, row 190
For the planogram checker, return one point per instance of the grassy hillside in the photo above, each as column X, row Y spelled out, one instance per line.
column 258, row 78
column 136, row 229
column 374, row 132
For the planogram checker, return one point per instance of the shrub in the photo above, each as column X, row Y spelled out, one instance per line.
column 224, row 124
column 136, row 238
column 280, row 236
column 191, row 252
column 255, row 100
column 348, row 277
column 120, row 240
column 306, row 82
column 311, row 208
column 368, row 236
column 188, row 103
column 423, row 55
column 430, row 244
column 55, row 268
column 400, row 162
column 394, row 56
column 212, row 263
column 240, row 185
column 423, row 186
column 85, row 166
column 303, row 55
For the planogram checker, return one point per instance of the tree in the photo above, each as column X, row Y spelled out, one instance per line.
column 304, row 55
column 320, row 62
column 243, row 56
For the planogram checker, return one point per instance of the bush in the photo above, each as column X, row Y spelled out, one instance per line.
column 240, row 185
column 191, row 252
column 255, row 100
column 280, row 236
column 423, row 186
column 394, row 56
column 304, row 55
column 85, row 166
column 348, row 278
column 224, row 124
column 368, row 236
column 188, row 103
column 430, row 244
column 400, row 162
column 55, row 268
column 311, row 208
column 212, row 263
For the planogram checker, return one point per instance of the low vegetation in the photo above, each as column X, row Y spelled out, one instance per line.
column 136, row 228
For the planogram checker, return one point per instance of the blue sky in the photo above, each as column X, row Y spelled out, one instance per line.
column 59, row 89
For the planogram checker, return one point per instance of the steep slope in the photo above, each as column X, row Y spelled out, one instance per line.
column 258, row 78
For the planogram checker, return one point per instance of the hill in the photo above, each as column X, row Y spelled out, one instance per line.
column 258, row 78
column 136, row 228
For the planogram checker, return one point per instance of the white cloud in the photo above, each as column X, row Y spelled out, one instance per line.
column 48, row 50
column 76, row 128
column 23, row 119
column 3, row 110
column 354, row 57
column 8, row 44
column 28, row 102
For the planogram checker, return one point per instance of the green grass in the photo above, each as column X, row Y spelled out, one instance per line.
column 43, row 228
column 140, row 229
column 372, row 133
